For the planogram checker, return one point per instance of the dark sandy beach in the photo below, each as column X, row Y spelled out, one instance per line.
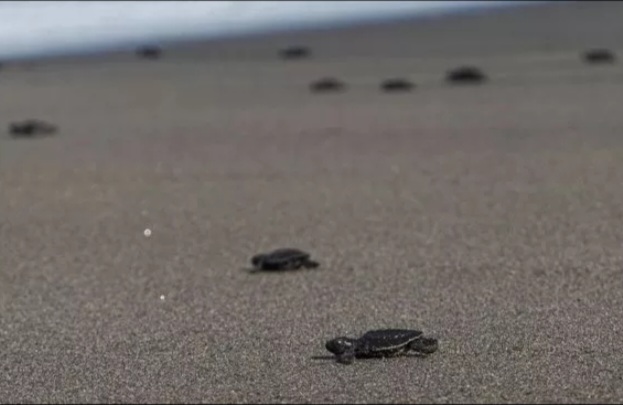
column 490, row 217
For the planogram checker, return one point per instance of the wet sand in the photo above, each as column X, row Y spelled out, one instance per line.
column 488, row 216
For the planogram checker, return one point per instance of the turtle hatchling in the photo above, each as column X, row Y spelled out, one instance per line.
column 283, row 259
column 31, row 128
column 381, row 343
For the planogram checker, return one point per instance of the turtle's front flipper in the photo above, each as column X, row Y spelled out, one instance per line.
column 346, row 358
column 424, row 345
column 310, row 264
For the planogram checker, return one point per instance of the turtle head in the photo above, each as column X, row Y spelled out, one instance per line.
column 340, row 345
column 258, row 259
column 425, row 345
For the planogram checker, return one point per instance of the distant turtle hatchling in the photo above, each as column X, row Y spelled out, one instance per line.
column 31, row 128
column 381, row 343
column 396, row 85
column 283, row 259
column 327, row 84
column 599, row 56
column 295, row 52
column 149, row 52
column 466, row 75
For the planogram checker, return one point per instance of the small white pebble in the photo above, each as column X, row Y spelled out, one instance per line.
column 162, row 298
column 147, row 232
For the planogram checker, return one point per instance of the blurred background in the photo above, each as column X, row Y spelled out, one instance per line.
column 32, row 28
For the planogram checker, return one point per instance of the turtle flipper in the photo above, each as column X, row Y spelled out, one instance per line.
column 424, row 345
column 310, row 264
column 346, row 358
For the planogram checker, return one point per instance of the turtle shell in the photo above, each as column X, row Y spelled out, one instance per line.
column 286, row 255
column 384, row 340
column 280, row 258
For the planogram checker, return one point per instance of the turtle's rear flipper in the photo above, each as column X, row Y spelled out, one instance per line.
column 310, row 264
column 424, row 345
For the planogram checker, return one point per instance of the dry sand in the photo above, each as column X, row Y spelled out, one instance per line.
column 490, row 217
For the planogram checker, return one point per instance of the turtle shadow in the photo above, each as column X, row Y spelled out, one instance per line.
column 327, row 358
column 253, row 270
column 250, row 270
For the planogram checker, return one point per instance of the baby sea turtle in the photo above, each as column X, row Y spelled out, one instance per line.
column 381, row 343
column 327, row 84
column 295, row 52
column 396, row 85
column 283, row 259
column 599, row 56
column 31, row 128
column 466, row 75
column 149, row 52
